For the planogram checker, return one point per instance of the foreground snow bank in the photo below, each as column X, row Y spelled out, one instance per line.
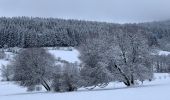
column 155, row 90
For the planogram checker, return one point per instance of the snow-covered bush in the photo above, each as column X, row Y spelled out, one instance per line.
column 66, row 78
column 2, row 54
column 94, row 71
column 7, row 72
column 33, row 66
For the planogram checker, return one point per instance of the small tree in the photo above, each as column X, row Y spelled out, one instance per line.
column 2, row 54
column 95, row 71
column 33, row 67
column 7, row 72
column 66, row 78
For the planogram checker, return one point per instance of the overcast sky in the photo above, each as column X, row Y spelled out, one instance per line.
column 120, row 11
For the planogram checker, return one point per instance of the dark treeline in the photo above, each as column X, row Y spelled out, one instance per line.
column 160, row 30
column 40, row 32
column 45, row 32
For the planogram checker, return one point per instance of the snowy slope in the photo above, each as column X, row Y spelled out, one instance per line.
column 155, row 90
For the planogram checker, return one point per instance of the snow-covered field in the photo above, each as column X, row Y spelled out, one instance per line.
column 158, row 89
column 164, row 53
column 155, row 90
column 71, row 56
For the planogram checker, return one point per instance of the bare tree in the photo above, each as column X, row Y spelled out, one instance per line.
column 66, row 78
column 2, row 54
column 121, row 57
column 161, row 63
column 133, row 57
column 95, row 70
column 7, row 72
column 33, row 66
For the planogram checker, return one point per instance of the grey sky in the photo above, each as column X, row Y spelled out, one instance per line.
column 97, row 10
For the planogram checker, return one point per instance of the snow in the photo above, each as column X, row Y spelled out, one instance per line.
column 155, row 90
column 3, row 62
column 71, row 56
column 163, row 53
column 10, row 88
column 160, row 52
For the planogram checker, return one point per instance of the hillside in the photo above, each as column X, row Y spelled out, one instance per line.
column 49, row 32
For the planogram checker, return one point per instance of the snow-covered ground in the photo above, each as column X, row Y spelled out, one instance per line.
column 158, row 89
column 165, row 53
column 71, row 56
column 155, row 90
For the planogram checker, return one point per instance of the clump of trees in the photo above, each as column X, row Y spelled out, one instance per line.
column 161, row 63
column 33, row 67
column 121, row 57
column 44, row 32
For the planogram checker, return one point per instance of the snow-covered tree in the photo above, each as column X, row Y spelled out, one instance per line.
column 121, row 57
column 7, row 72
column 133, row 56
column 33, row 66
column 66, row 78
column 95, row 70
column 161, row 63
column 2, row 54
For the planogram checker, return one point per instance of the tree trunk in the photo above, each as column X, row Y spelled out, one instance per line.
column 7, row 79
column 132, row 80
column 127, row 81
column 46, row 86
